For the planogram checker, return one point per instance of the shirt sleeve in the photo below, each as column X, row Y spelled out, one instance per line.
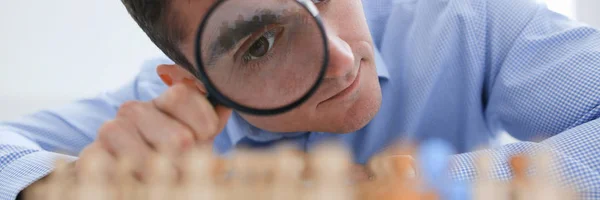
column 30, row 145
column 542, row 85
column 574, row 153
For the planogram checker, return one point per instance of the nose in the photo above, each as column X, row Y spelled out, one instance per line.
column 341, row 58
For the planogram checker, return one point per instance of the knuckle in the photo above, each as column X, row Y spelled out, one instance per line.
column 91, row 149
column 108, row 132
column 182, row 138
column 130, row 108
column 208, row 136
column 85, row 151
column 108, row 128
column 177, row 94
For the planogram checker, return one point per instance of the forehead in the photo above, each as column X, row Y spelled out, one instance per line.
column 189, row 14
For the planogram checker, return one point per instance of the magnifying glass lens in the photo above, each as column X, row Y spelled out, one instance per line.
column 262, row 54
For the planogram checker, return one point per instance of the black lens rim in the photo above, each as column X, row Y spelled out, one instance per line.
column 216, row 96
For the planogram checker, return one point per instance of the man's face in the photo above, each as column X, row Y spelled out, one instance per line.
column 349, row 95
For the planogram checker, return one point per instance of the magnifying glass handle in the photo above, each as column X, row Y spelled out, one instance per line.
column 212, row 100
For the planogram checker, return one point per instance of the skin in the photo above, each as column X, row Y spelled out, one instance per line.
column 182, row 117
column 351, row 47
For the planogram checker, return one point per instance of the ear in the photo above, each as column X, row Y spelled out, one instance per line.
column 175, row 74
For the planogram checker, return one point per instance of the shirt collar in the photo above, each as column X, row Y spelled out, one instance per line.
column 382, row 70
column 238, row 128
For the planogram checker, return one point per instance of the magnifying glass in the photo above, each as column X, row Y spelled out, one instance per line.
column 261, row 57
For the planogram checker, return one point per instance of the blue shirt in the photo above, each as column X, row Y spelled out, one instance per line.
column 460, row 70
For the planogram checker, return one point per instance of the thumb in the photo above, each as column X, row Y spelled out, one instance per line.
column 223, row 113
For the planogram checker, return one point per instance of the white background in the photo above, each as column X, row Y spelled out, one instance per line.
column 56, row 51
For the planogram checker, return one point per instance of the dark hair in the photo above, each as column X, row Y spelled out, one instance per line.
column 156, row 19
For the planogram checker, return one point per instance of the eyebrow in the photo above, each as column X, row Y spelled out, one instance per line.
column 229, row 35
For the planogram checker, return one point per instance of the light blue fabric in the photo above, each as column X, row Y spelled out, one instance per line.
column 462, row 71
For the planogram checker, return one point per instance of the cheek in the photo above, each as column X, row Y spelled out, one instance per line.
column 370, row 92
column 296, row 120
column 366, row 106
column 372, row 89
column 360, row 114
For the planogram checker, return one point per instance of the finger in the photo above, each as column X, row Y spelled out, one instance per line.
column 94, row 161
column 223, row 114
column 123, row 140
column 160, row 130
column 404, row 166
column 188, row 105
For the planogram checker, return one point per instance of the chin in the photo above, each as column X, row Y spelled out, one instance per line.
column 339, row 119
column 358, row 115
column 356, row 118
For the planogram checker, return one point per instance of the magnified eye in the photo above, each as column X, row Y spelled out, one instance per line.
column 261, row 46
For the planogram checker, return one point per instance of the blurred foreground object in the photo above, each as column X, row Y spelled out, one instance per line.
column 324, row 173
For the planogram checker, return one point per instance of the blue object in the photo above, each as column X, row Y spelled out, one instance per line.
column 458, row 190
column 434, row 161
column 462, row 71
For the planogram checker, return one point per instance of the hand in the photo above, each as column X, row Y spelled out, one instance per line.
column 178, row 119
